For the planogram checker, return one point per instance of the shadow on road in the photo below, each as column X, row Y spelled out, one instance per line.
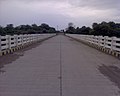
column 112, row 72
column 9, row 58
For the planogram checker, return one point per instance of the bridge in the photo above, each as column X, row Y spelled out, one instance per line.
column 58, row 65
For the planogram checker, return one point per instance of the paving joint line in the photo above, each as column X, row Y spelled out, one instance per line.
column 60, row 68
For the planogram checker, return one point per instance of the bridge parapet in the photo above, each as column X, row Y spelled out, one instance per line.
column 107, row 44
column 10, row 43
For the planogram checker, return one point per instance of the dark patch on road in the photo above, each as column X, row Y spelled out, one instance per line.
column 112, row 72
column 71, row 39
column 6, row 59
column 9, row 58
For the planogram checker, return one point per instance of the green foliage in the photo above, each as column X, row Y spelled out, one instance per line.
column 101, row 29
column 2, row 31
column 9, row 29
column 26, row 29
column 106, row 29
column 71, row 30
column 82, row 30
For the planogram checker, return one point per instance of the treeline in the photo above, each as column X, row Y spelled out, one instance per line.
column 101, row 29
column 26, row 29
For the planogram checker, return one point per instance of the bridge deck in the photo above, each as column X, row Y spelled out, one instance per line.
column 59, row 66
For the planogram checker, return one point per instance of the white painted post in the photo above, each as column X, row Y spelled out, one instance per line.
column 33, row 38
column 19, row 40
column 25, row 39
column 37, row 37
column 91, row 39
column 113, row 43
column 96, row 40
column 16, row 40
column 22, row 40
column 99, row 39
column 105, row 40
column 9, row 41
column 29, row 38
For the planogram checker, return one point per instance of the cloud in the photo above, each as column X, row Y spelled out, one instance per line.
column 58, row 12
column 97, row 4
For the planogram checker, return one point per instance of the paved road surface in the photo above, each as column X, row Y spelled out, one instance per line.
column 59, row 66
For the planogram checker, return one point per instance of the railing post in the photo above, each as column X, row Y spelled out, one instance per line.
column 99, row 39
column 9, row 41
column 105, row 40
column 96, row 40
column 25, row 39
column 16, row 40
column 113, row 43
column 92, row 39
column 22, row 40
column 29, row 38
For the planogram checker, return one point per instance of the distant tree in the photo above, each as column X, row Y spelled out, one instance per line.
column 96, row 29
column 85, row 30
column 78, row 31
column 35, row 27
column 9, row 29
column 105, row 29
column 71, row 30
column 45, row 26
column 70, row 24
column 51, row 30
column 2, row 32
column 26, row 29
column 112, row 25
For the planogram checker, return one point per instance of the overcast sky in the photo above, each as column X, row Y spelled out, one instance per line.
column 58, row 12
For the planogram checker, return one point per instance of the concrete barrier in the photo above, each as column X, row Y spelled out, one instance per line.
column 109, row 45
column 9, row 44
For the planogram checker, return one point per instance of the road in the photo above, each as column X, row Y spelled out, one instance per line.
column 59, row 66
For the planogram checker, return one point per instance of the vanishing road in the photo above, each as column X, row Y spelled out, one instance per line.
column 59, row 66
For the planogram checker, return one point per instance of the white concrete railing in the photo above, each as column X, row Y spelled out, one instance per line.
column 112, row 43
column 7, row 42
